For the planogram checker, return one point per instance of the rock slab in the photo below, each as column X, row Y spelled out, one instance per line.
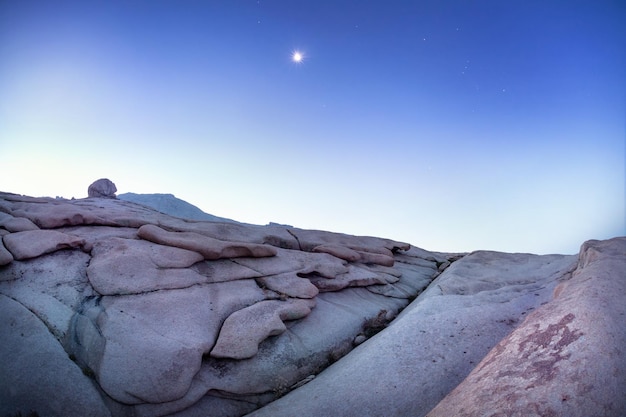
column 113, row 309
column 567, row 358
column 169, row 316
column 409, row 367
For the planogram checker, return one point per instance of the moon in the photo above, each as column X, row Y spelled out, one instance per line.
column 297, row 57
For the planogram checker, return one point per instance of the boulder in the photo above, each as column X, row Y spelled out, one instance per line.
column 102, row 188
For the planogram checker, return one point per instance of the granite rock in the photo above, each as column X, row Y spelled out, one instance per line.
column 33, row 243
column 435, row 342
column 37, row 374
column 102, row 188
column 164, row 315
column 5, row 256
column 566, row 358
column 114, row 309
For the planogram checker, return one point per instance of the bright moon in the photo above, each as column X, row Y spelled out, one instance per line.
column 297, row 56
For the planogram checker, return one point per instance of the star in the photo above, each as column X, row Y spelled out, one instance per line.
column 297, row 57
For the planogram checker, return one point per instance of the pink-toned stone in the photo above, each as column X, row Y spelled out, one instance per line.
column 429, row 348
column 16, row 224
column 567, row 358
column 310, row 239
column 380, row 256
column 244, row 329
column 33, row 243
column 127, row 266
column 102, row 188
column 376, row 258
column 146, row 348
column 59, row 214
column 209, row 248
column 341, row 252
column 354, row 277
column 289, row 284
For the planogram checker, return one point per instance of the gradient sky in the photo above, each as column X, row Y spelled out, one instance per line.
column 451, row 125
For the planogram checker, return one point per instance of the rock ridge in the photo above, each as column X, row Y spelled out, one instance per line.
column 164, row 314
column 115, row 309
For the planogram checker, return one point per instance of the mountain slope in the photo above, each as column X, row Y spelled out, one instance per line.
column 170, row 204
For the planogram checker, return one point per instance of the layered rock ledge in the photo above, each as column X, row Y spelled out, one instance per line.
column 113, row 309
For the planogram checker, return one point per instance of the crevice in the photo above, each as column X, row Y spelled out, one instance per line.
column 295, row 237
column 40, row 317
column 261, row 274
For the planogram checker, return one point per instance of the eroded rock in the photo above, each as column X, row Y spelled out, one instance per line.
column 16, row 224
column 209, row 247
column 126, row 266
column 33, row 243
column 566, row 358
column 149, row 347
column 37, row 374
column 244, row 329
column 289, row 284
column 168, row 316
column 5, row 256
column 102, row 188
column 434, row 343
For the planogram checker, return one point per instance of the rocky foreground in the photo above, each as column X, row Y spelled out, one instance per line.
column 110, row 308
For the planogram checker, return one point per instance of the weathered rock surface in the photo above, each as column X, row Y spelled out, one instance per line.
column 5, row 256
column 102, row 188
column 34, row 243
column 169, row 204
column 163, row 315
column 16, row 224
column 36, row 373
column 122, row 310
column 208, row 247
column 567, row 358
column 435, row 342
column 245, row 329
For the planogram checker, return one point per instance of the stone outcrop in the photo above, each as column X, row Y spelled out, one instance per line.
column 160, row 315
column 113, row 309
column 566, row 358
column 34, row 243
column 36, row 373
column 210, row 248
column 435, row 342
column 102, row 188
column 169, row 204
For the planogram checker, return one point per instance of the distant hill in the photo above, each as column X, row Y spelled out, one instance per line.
column 169, row 204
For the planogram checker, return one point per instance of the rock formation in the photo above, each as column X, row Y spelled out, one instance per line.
column 169, row 204
column 113, row 309
column 102, row 188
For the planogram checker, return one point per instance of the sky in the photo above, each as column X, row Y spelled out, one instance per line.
column 453, row 125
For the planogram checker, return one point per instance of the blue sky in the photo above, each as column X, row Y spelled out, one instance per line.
column 452, row 125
